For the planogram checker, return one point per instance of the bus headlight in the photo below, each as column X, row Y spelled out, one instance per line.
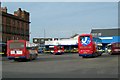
column 109, row 50
column 59, row 51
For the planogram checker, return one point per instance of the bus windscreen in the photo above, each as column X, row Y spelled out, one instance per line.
column 83, row 37
column 85, row 40
column 16, row 45
column 116, row 45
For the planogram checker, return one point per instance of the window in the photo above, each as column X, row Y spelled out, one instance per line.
column 35, row 40
column 16, row 45
column 99, row 34
column 83, row 37
column 3, row 20
column 116, row 45
column 109, row 47
column 18, row 23
column 13, row 31
column 27, row 26
column 8, row 21
column 27, row 32
column 13, row 22
column 8, row 29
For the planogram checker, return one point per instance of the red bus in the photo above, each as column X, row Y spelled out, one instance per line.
column 56, row 49
column 21, row 49
column 87, row 46
column 114, row 48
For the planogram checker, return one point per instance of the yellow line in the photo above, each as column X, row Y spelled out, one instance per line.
column 1, row 53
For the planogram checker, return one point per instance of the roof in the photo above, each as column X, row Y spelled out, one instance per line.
column 106, row 32
column 74, row 35
column 13, row 16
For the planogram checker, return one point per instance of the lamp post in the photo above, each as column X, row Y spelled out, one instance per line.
column 29, row 36
column 44, row 37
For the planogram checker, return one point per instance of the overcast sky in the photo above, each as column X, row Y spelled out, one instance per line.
column 63, row 19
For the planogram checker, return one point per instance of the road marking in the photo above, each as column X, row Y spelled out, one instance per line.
column 1, row 53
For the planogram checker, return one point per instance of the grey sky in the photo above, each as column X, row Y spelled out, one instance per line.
column 63, row 19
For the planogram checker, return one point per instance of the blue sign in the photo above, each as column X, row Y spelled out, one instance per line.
column 85, row 41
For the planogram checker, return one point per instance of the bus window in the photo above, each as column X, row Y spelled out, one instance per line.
column 85, row 40
column 16, row 45
column 84, row 37
column 109, row 47
column 31, row 48
column 116, row 45
column 99, row 47
column 51, row 47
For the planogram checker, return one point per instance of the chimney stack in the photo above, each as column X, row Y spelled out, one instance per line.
column 4, row 9
column 22, row 14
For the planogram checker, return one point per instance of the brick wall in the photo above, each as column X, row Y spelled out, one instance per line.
column 15, row 26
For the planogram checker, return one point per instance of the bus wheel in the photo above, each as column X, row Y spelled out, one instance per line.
column 15, row 59
column 84, row 56
column 100, row 54
column 30, row 57
column 94, row 55
column 35, row 56
column 18, row 60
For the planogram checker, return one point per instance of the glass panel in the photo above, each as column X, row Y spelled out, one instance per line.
column 15, row 45
column 85, row 40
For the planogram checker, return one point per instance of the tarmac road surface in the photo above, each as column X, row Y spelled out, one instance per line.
column 62, row 66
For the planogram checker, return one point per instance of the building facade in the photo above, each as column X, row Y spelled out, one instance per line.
column 14, row 26
column 70, row 44
column 107, row 35
column 43, row 40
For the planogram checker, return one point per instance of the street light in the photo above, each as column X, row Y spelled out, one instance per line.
column 29, row 36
